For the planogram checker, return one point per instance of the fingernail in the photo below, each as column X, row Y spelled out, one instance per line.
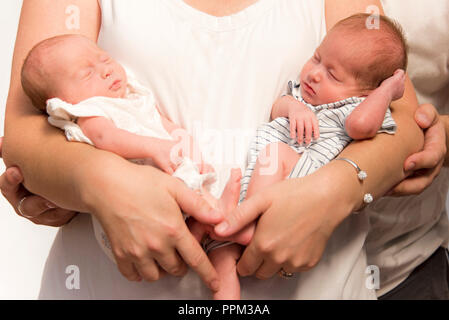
column 215, row 285
column 15, row 176
column 410, row 166
column 222, row 227
column 422, row 118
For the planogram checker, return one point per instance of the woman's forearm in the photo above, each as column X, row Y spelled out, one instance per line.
column 52, row 167
column 383, row 156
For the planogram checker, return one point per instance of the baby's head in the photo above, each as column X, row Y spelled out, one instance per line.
column 72, row 68
column 353, row 60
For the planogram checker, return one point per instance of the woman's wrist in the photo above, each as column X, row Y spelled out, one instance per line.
column 339, row 185
column 96, row 177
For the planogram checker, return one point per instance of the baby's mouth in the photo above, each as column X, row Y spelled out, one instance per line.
column 117, row 84
column 308, row 88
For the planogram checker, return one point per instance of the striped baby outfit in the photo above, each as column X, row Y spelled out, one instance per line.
column 333, row 137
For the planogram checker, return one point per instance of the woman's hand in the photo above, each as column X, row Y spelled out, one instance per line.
column 424, row 166
column 32, row 207
column 293, row 229
column 140, row 211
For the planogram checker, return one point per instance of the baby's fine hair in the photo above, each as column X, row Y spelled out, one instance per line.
column 382, row 49
column 34, row 75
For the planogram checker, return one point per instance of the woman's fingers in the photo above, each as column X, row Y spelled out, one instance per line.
column 54, row 217
column 43, row 212
column 267, row 270
column 10, row 183
column 127, row 269
column 194, row 205
column 147, row 269
column 242, row 215
column 192, row 253
column 250, row 261
column 33, row 206
column 36, row 209
column 172, row 263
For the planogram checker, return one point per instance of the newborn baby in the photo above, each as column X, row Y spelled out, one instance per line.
column 344, row 92
column 94, row 100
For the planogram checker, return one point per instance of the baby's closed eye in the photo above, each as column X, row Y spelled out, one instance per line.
column 86, row 73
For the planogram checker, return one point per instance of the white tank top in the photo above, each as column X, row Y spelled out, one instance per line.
column 217, row 77
column 220, row 76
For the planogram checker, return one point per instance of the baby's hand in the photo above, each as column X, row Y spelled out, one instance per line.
column 303, row 124
column 395, row 85
column 168, row 156
column 206, row 168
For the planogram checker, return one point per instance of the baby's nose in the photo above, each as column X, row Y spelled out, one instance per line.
column 107, row 72
column 315, row 75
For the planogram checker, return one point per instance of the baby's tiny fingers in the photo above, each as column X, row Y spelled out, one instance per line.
column 308, row 130
column 316, row 128
column 292, row 128
column 300, row 130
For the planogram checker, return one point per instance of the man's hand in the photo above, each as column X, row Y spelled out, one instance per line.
column 424, row 166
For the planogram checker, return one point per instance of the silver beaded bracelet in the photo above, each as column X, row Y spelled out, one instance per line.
column 362, row 175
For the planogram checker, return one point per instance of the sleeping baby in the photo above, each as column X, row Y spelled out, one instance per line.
column 94, row 100
column 343, row 93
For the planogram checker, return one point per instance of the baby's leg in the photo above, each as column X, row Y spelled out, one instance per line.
column 228, row 201
column 280, row 159
column 224, row 260
column 274, row 164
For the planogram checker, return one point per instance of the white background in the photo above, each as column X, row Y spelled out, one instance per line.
column 23, row 245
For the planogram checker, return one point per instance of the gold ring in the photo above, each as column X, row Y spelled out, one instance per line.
column 284, row 274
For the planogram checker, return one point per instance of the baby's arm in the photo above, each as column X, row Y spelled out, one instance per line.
column 283, row 105
column 367, row 118
column 106, row 136
column 303, row 122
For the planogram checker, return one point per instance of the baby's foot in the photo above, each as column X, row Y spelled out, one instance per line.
column 230, row 196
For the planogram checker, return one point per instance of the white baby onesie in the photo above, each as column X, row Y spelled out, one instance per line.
column 136, row 113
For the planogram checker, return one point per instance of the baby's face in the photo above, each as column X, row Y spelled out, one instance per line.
column 80, row 70
column 326, row 78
